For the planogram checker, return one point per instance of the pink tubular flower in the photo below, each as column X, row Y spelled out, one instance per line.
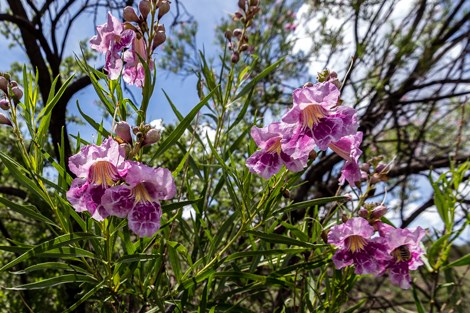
column 353, row 239
column 134, row 73
column 97, row 168
column 269, row 160
column 317, row 120
column 348, row 148
column 404, row 246
column 111, row 39
column 139, row 199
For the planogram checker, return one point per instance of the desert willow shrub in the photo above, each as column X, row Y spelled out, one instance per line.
column 116, row 231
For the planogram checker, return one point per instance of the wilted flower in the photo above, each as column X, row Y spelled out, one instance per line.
column 269, row 160
column 348, row 148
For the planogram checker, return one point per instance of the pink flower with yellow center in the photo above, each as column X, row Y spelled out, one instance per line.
column 356, row 247
column 111, row 39
column 404, row 247
column 97, row 168
column 317, row 120
column 138, row 199
column 269, row 160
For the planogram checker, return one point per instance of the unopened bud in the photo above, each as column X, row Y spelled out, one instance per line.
column 160, row 36
column 163, row 8
column 135, row 130
column 228, row 35
column 17, row 92
column 378, row 212
column 13, row 83
column 242, row 4
column 235, row 57
column 344, row 218
column 363, row 213
column 312, row 155
column 244, row 47
column 123, row 130
column 308, row 84
column 5, row 120
column 365, row 167
column 144, row 8
column 254, row 2
column 4, row 104
column 130, row 15
column 237, row 16
column 3, row 84
column 382, row 168
column 237, row 32
column 152, row 136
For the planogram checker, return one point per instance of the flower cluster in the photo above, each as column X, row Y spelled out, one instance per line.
column 237, row 39
column 108, row 184
column 316, row 121
column 11, row 94
column 395, row 250
column 127, row 44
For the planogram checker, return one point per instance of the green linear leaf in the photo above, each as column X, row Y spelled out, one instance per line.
column 179, row 130
column 309, row 203
column 54, row 281
column 280, row 239
column 47, row 246
column 85, row 297
column 255, row 80
column 28, row 211
column 465, row 260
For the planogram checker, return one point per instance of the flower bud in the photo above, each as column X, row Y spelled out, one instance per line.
column 3, row 84
column 4, row 104
column 363, row 213
column 13, row 83
column 144, row 8
column 312, row 155
column 151, row 137
column 365, row 167
column 130, row 15
column 242, row 4
column 228, row 35
column 308, row 84
column 235, row 57
column 378, row 212
column 17, row 93
column 160, row 36
column 237, row 32
column 123, row 130
column 163, row 8
column 237, row 16
column 244, row 47
column 5, row 120
column 254, row 3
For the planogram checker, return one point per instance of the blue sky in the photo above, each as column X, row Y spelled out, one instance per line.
column 182, row 92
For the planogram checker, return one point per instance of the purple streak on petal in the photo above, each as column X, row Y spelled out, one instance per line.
column 144, row 218
column 265, row 164
column 76, row 194
column 118, row 200
column 158, row 182
column 400, row 275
